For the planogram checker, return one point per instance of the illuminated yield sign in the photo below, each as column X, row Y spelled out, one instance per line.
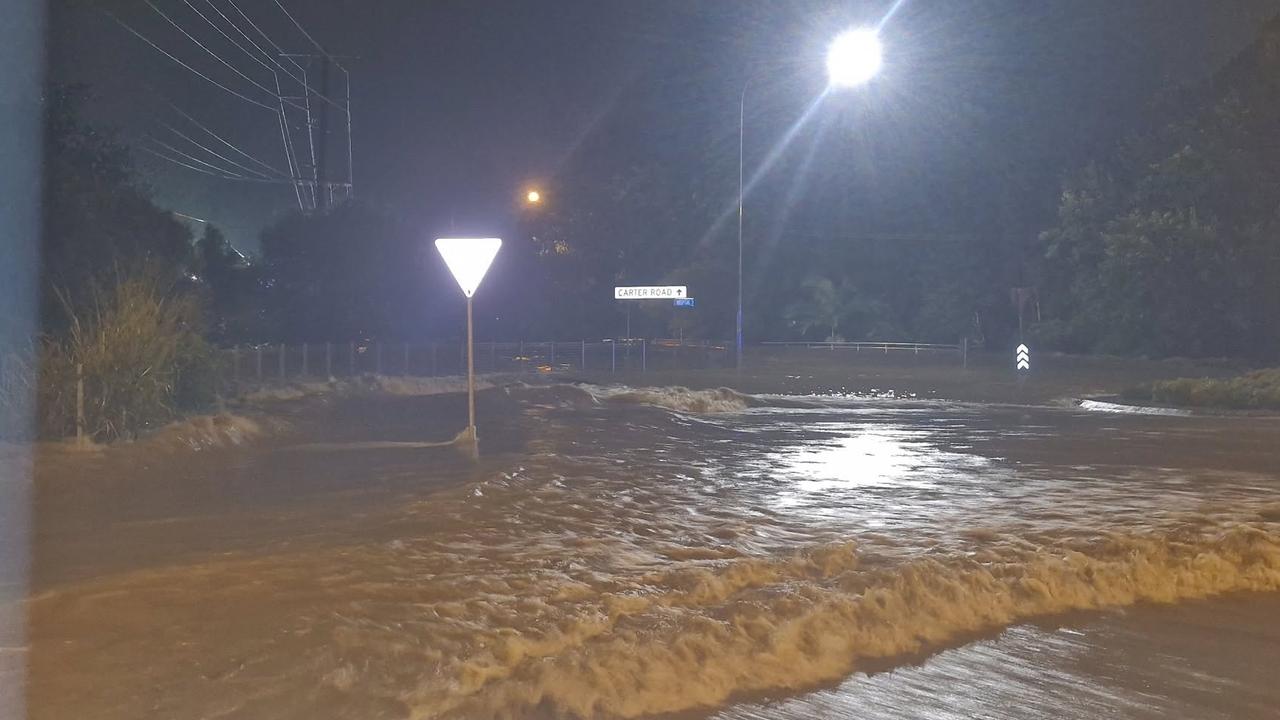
column 1023, row 358
column 468, row 259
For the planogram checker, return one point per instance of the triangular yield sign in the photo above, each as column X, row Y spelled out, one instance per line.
column 468, row 259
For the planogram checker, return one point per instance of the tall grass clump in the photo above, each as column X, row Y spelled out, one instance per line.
column 138, row 346
column 1258, row 390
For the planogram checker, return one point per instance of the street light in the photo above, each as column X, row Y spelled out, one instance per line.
column 853, row 58
column 469, row 259
column 533, row 197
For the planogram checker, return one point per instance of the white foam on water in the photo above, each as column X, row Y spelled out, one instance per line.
column 680, row 399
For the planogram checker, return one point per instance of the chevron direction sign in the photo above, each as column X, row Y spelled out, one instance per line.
column 1022, row 360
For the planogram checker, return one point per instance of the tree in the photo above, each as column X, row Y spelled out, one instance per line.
column 98, row 218
column 1171, row 246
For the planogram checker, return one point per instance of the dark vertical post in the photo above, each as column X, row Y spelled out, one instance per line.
column 644, row 352
column 406, row 360
column 328, row 359
column 584, row 354
column 322, row 149
column 613, row 349
column 80, row 404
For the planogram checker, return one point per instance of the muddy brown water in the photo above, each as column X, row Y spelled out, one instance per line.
column 638, row 553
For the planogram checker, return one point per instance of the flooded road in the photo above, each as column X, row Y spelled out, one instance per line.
column 628, row 553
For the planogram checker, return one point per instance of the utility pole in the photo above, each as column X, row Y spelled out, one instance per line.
column 322, row 152
column 324, row 190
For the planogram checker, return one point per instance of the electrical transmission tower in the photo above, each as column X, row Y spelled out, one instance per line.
column 298, row 91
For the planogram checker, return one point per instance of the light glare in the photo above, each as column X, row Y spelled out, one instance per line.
column 534, row 197
column 853, row 58
column 468, row 259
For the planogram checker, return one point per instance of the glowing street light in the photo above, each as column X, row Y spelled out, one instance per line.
column 533, row 197
column 469, row 259
column 853, row 58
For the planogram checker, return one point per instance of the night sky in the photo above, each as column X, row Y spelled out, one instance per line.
column 458, row 104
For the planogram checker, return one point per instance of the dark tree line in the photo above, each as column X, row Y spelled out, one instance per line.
column 1171, row 245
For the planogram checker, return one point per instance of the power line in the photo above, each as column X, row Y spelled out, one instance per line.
column 266, row 37
column 303, row 30
column 204, row 47
column 220, row 175
column 195, row 159
column 251, row 41
column 169, row 55
column 218, row 155
column 224, row 34
column 228, row 143
column 289, row 56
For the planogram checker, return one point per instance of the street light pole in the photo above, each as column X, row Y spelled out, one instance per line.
column 742, row 132
column 853, row 58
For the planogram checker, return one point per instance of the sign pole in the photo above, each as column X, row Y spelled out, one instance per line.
column 471, row 387
column 468, row 259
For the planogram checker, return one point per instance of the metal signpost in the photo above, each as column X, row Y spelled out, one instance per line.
column 469, row 259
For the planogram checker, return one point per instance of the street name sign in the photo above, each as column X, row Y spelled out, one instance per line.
column 659, row 292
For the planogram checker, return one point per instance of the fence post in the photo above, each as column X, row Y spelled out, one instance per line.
column 584, row 354
column 552, row 362
column 304, row 359
column 258, row 350
column 80, row 403
column 281, row 358
column 328, row 359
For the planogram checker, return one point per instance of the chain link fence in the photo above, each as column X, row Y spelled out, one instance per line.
column 275, row 362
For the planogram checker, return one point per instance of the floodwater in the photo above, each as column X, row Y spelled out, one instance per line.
column 632, row 553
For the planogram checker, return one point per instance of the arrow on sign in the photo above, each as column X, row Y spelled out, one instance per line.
column 1023, row 358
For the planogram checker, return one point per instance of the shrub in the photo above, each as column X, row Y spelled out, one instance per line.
column 1256, row 390
column 138, row 347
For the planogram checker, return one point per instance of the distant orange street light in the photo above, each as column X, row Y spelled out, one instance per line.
column 533, row 197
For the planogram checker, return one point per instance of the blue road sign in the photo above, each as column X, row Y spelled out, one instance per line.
column 683, row 302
